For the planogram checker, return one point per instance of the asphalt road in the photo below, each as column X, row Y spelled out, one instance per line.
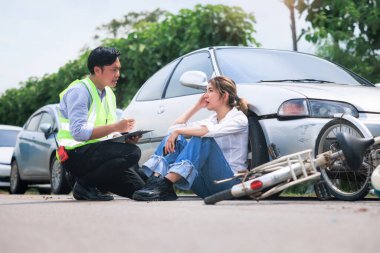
column 45, row 223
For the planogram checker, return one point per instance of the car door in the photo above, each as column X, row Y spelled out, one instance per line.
column 26, row 155
column 43, row 146
column 178, row 98
column 146, row 104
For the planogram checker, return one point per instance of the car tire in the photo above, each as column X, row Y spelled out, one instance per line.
column 339, row 179
column 59, row 178
column 257, row 143
column 17, row 185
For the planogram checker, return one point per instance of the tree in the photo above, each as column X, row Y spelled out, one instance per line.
column 143, row 51
column 293, row 5
column 147, row 50
column 348, row 32
column 130, row 22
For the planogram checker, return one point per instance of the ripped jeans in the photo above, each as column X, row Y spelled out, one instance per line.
column 198, row 161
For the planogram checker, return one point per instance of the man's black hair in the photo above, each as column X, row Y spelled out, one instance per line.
column 102, row 56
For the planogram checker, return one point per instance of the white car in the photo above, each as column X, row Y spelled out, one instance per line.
column 291, row 97
column 8, row 137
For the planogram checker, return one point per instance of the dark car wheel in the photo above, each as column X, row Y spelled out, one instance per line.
column 257, row 143
column 17, row 185
column 59, row 178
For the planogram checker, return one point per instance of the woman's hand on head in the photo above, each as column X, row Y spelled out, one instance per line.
column 201, row 103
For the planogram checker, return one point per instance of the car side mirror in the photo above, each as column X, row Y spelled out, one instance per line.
column 46, row 128
column 194, row 79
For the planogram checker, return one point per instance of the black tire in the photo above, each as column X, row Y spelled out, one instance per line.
column 17, row 185
column 223, row 195
column 342, row 182
column 257, row 143
column 59, row 178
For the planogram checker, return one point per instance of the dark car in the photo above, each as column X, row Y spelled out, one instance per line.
column 34, row 160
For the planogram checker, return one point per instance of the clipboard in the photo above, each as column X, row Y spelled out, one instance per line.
column 127, row 135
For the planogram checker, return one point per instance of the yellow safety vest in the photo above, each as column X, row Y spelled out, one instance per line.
column 99, row 114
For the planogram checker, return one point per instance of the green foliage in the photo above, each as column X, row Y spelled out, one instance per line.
column 143, row 51
column 348, row 32
column 147, row 50
column 16, row 105
column 133, row 20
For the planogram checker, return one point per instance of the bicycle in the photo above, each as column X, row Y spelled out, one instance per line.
column 277, row 175
column 339, row 179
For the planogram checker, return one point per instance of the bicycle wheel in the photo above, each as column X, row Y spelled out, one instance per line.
column 223, row 195
column 342, row 182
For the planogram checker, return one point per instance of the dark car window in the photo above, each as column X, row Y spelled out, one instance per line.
column 46, row 118
column 33, row 123
column 8, row 138
column 253, row 65
column 198, row 61
column 154, row 87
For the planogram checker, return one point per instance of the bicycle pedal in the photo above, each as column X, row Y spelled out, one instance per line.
column 322, row 191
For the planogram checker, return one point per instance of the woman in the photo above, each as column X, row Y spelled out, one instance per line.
column 218, row 147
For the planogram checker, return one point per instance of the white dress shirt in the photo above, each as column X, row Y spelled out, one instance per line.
column 231, row 135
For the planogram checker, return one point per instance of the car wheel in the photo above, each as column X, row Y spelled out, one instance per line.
column 17, row 185
column 59, row 178
column 257, row 143
column 342, row 182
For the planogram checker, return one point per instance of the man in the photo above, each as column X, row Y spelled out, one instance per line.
column 88, row 119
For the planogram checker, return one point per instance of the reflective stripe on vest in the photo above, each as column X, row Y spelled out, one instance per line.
column 99, row 114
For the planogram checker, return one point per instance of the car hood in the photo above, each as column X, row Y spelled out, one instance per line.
column 364, row 98
column 6, row 154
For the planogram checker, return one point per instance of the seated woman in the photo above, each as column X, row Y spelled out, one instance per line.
column 218, row 147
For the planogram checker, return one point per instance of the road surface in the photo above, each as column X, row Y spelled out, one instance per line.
column 51, row 223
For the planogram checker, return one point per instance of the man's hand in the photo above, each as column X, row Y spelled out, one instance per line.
column 125, row 125
column 133, row 139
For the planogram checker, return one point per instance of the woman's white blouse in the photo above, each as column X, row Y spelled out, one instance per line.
column 231, row 134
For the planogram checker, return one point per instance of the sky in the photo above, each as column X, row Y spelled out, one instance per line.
column 37, row 37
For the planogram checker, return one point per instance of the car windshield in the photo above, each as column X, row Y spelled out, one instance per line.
column 260, row 65
column 8, row 138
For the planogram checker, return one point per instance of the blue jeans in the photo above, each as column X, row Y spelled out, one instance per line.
column 199, row 162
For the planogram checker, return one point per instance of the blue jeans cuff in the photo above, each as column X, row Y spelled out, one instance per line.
column 187, row 171
column 156, row 164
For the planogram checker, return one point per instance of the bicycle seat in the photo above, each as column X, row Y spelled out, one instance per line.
column 353, row 149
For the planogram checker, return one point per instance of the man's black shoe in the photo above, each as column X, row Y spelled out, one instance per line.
column 140, row 172
column 84, row 192
column 155, row 189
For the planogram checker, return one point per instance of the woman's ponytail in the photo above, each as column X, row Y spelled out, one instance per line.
column 242, row 105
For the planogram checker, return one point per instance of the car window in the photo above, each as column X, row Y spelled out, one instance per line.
column 8, row 138
column 153, row 88
column 33, row 123
column 199, row 61
column 252, row 65
column 46, row 118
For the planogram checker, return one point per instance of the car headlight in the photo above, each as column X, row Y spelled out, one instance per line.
column 294, row 108
column 327, row 109
column 297, row 108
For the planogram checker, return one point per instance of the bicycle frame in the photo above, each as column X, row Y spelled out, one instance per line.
column 279, row 174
